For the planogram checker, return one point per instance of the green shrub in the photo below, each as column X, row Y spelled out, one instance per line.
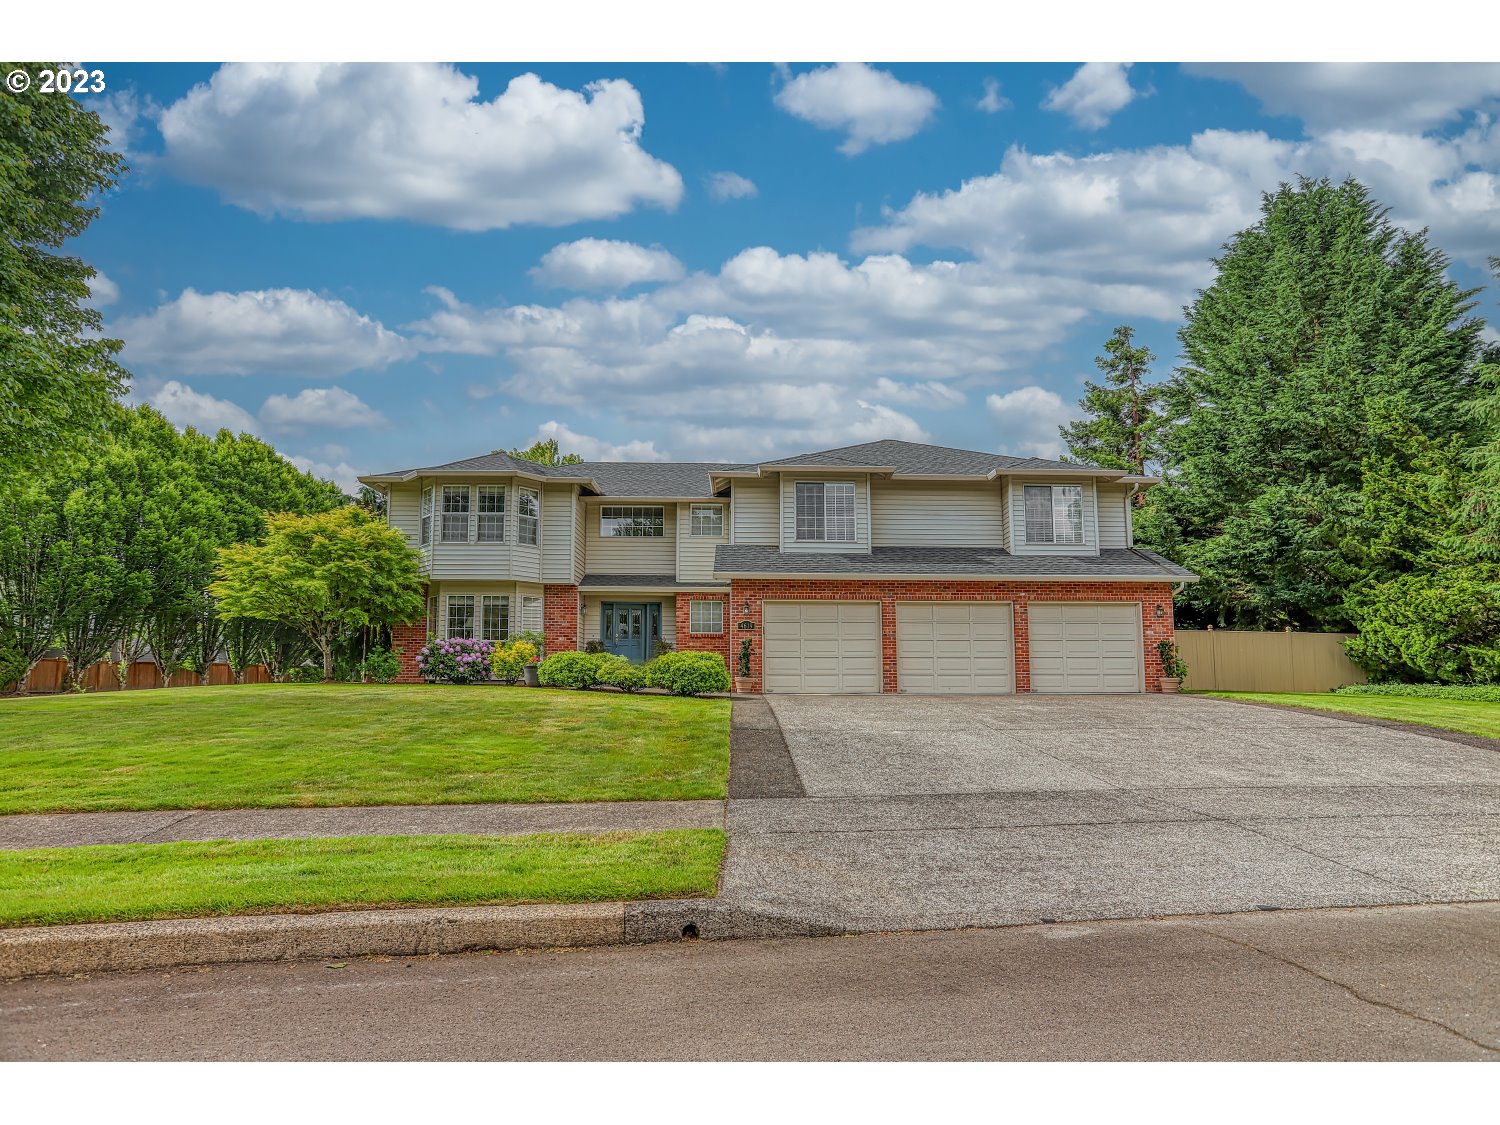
column 381, row 666
column 1425, row 628
column 508, row 661
column 578, row 670
column 531, row 637
column 618, row 672
column 1484, row 693
column 688, row 673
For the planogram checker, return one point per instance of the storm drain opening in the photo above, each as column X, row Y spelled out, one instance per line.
column 690, row 931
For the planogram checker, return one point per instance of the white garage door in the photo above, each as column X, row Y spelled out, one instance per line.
column 1086, row 648
column 821, row 647
column 954, row 648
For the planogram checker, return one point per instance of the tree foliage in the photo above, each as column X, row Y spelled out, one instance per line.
column 1123, row 420
column 58, row 376
column 322, row 575
column 544, row 451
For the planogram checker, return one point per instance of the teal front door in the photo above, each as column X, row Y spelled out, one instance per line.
column 631, row 629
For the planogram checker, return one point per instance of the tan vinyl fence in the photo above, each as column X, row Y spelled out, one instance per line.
column 1244, row 660
column 48, row 675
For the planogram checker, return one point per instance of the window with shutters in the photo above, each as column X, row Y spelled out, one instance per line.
column 1054, row 514
column 825, row 511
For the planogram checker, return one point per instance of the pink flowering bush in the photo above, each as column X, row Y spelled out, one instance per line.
column 458, row 660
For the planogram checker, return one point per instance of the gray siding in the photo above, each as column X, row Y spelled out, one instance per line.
column 755, row 512
column 932, row 513
column 1113, row 519
column 695, row 553
column 558, row 507
column 789, row 541
column 625, row 554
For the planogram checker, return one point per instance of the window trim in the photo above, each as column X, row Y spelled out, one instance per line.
column 485, row 602
column 693, row 511
column 427, row 516
column 467, row 512
column 1056, row 509
column 448, row 607
column 822, row 535
column 480, row 514
column 659, row 523
column 528, row 528
column 693, row 608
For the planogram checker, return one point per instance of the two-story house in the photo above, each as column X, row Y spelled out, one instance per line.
column 883, row 567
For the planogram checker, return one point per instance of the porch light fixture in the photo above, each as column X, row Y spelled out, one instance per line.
column 745, row 609
column 1160, row 612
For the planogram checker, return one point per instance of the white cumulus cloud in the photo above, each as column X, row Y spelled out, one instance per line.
column 873, row 107
column 102, row 290
column 1028, row 418
column 1095, row 93
column 274, row 331
column 319, row 406
column 595, row 449
column 993, row 101
column 415, row 141
column 184, row 407
column 600, row 263
column 729, row 185
column 930, row 393
column 343, row 474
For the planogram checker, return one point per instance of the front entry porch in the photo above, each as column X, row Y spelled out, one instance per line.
column 630, row 629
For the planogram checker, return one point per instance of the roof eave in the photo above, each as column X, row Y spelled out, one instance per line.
column 934, row 576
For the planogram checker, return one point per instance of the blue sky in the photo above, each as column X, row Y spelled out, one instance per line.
column 393, row 265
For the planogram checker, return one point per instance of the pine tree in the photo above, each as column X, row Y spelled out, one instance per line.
column 1124, row 413
column 1324, row 321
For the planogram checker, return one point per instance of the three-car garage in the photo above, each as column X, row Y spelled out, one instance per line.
column 952, row 647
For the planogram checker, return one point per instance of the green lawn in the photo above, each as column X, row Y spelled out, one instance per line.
column 123, row 882
column 274, row 745
column 1471, row 716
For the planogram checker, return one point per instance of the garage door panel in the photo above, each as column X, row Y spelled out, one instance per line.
column 954, row 647
column 1086, row 648
column 831, row 647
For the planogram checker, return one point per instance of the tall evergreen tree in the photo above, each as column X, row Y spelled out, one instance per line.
column 1124, row 412
column 1324, row 320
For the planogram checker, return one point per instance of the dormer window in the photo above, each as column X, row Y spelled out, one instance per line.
column 1054, row 514
column 825, row 511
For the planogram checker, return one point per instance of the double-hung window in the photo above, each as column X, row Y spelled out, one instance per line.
column 706, row 617
column 708, row 520
column 432, row 618
column 528, row 516
column 494, row 617
column 427, row 517
column 455, row 513
column 825, row 511
column 491, row 513
column 1054, row 514
column 460, row 615
column 640, row 523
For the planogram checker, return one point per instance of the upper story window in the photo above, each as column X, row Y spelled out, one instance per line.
column 825, row 511
column 528, row 516
column 639, row 523
column 491, row 513
column 1054, row 514
column 426, row 517
column 708, row 520
column 455, row 513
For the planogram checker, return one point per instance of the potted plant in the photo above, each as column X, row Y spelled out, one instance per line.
column 742, row 669
column 1173, row 669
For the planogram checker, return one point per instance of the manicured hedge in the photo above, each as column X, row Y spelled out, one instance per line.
column 570, row 669
column 688, row 673
column 620, row 673
column 1485, row 693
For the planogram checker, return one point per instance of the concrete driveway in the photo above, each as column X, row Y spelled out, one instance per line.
column 941, row 812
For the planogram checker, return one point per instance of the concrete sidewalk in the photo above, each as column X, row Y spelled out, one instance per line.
column 66, row 830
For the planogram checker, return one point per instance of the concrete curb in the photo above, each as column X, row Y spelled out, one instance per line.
column 120, row 946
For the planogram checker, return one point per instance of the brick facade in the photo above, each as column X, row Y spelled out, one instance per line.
column 561, row 617
column 1155, row 599
column 688, row 641
column 406, row 642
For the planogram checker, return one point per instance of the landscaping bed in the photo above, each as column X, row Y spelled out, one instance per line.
column 282, row 745
column 132, row 882
column 1468, row 716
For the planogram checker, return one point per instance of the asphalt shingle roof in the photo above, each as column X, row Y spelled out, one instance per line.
column 913, row 457
column 652, row 478
column 989, row 562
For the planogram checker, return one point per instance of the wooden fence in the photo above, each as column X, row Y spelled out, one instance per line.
column 47, row 677
column 1245, row 660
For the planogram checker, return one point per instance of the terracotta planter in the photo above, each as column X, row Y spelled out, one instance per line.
column 741, row 686
column 1170, row 684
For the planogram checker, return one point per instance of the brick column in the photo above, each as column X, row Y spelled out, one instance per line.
column 888, row 661
column 726, row 644
column 1021, row 625
column 406, row 642
column 560, row 612
column 739, row 594
column 1157, row 624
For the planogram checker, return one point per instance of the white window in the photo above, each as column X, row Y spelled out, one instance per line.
column 528, row 516
column 531, row 614
column 640, row 523
column 427, row 517
column 432, row 619
column 491, row 513
column 825, row 511
column 1054, row 514
column 706, row 617
column 708, row 520
column 460, row 615
column 455, row 513
column 494, row 617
